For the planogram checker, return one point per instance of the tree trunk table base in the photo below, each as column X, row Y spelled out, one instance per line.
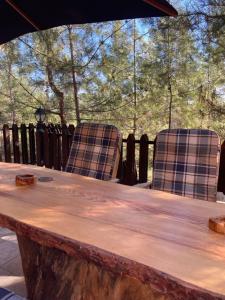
column 54, row 275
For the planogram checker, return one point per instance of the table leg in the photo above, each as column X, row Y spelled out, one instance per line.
column 51, row 274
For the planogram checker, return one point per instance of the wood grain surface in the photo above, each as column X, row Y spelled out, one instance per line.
column 155, row 237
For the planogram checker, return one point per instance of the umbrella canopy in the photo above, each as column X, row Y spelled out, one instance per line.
column 18, row 17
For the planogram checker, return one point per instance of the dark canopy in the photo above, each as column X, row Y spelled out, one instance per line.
column 18, row 17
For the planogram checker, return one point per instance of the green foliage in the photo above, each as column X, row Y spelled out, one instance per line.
column 134, row 74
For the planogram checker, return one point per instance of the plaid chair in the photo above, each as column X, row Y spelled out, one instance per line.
column 95, row 151
column 187, row 163
column 8, row 295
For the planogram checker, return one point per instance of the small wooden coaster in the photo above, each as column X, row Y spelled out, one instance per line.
column 217, row 224
column 25, row 179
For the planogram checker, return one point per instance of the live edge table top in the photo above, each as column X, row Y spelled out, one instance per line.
column 143, row 233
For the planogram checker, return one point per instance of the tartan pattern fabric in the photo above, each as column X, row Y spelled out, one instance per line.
column 94, row 150
column 8, row 295
column 187, row 163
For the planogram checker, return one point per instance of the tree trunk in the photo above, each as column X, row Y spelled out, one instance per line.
column 9, row 63
column 170, row 101
column 169, row 73
column 57, row 92
column 134, row 80
column 76, row 99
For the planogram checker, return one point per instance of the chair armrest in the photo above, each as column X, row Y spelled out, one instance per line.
column 144, row 185
column 115, row 180
column 220, row 198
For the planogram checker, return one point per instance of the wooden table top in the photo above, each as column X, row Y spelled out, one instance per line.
column 150, row 229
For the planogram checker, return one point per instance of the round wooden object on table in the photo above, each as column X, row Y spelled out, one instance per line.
column 217, row 224
column 25, row 179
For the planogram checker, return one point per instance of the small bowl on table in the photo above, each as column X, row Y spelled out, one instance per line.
column 25, row 179
column 217, row 224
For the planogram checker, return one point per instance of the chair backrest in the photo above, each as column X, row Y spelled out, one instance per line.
column 95, row 151
column 187, row 163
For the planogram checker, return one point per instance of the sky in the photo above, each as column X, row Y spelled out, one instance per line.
column 180, row 4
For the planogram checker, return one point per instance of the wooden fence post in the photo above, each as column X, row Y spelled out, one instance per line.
column 71, row 129
column 143, row 159
column 32, row 144
column 46, row 151
column 56, row 146
column 130, row 177
column 16, row 148
column 6, row 140
column 65, row 145
column 119, row 171
column 51, row 145
column 59, row 146
column 221, row 179
column 39, row 144
column 23, row 130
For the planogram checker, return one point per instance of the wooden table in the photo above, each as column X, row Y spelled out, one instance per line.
column 85, row 239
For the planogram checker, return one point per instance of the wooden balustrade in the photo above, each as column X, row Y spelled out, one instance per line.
column 49, row 146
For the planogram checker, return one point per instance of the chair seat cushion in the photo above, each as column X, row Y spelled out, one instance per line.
column 9, row 295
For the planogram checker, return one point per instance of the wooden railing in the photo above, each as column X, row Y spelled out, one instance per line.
column 49, row 146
